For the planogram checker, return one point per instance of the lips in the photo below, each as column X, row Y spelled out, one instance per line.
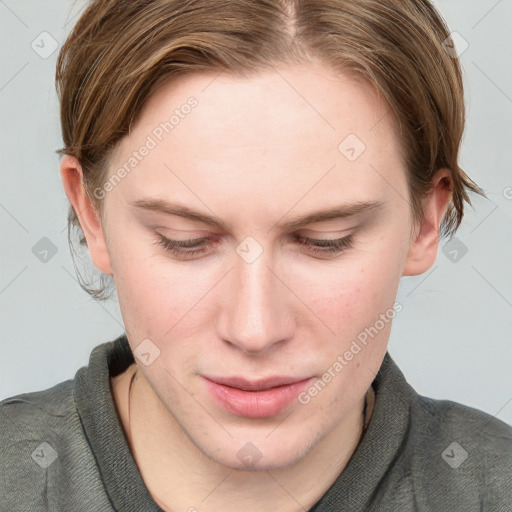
column 257, row 385
column 255, row 399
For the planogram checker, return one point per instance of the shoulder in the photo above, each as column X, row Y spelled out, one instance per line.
column 28, row 414
column 41, row 447
column 460, row 455
column 444, row 455
column 37, row 415
column 49, row 439
column 445, row 419
column 54, row 401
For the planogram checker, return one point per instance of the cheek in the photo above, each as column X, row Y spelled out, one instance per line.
column 147, row 293
column 353, row 295
column 161, row 299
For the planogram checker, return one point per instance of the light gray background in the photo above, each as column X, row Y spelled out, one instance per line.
column 453, row 338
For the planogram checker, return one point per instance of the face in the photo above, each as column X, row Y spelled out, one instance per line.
column 277, row 262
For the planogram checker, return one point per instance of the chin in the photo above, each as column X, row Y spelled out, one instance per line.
column 261, row 454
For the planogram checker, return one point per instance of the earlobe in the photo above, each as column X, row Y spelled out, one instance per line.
column 90, row 222
column 423, row 248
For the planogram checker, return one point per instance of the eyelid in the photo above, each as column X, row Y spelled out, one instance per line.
column 191, row 241
column 184, row 249
column 327, row 245
column 324, row 235
column 192, row 233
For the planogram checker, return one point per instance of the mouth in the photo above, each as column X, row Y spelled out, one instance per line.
column 255, row 399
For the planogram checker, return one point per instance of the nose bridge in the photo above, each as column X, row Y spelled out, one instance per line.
column 255, row 316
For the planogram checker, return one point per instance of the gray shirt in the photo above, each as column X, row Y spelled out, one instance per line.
column 63, row 449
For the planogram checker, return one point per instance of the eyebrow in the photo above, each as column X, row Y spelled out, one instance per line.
column 338, row 212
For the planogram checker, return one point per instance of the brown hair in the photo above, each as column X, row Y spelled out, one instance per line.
column 120, row 51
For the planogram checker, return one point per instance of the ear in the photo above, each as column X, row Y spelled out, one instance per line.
column 90, row 222
column 423, row 248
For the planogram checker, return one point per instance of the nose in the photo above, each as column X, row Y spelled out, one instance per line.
column 255, row 316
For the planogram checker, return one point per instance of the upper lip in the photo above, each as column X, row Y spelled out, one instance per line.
column 255, row 385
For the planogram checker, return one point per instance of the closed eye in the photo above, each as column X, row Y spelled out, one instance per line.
column 197, row 246
column 327, row 245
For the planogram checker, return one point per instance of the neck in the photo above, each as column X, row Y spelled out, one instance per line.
column 176, row 472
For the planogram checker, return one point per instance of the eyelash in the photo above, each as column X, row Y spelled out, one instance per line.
column 335, row 246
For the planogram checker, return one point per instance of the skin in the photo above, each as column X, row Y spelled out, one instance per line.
column 255, row 153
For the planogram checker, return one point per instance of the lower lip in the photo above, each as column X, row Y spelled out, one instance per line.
column 255, row 404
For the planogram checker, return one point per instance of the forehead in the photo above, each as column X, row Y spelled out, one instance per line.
column 285, row 126
column 269, row 103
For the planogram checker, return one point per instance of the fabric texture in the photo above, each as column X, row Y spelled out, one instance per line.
column 64, row 449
